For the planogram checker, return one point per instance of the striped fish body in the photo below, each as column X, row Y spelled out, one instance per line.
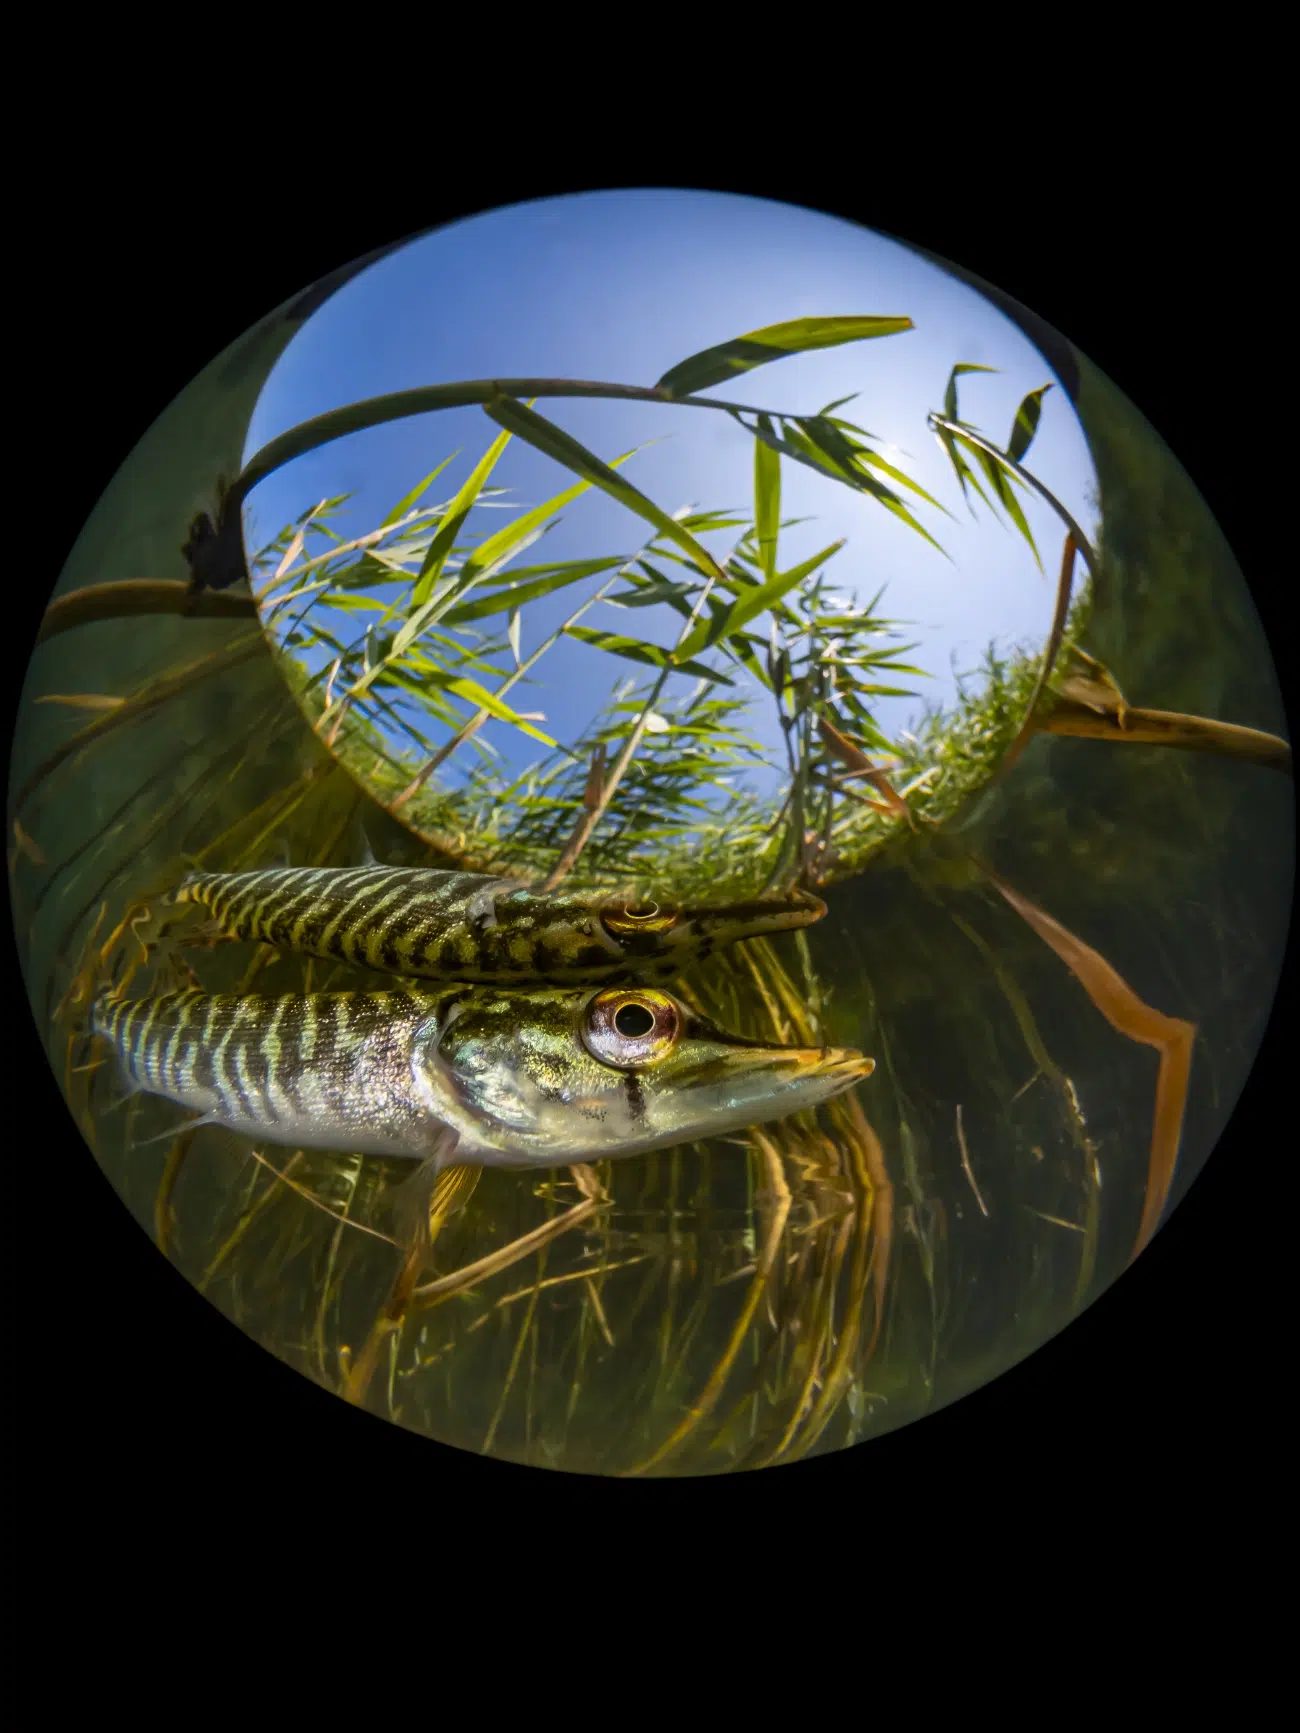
column 471, row 927
column 507, row 1077
column 324, row 1070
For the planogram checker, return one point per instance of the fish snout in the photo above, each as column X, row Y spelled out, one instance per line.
column 844, row 1062
column 752, row 918
column 797, row 1065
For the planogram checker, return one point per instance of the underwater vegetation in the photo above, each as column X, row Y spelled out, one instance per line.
column 263, row 851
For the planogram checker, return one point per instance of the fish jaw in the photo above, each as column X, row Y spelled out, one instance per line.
column 752, row 1085
column 701, row 930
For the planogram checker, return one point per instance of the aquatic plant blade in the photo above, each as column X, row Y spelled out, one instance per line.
column 527, row 588
column 450, row 527
column 409, row 501
column 808, row 443
column 636, row 650
column 754, row 602
column 1025, row 426
column 546, row 437
column 1000, row 482
column 767, row 505
column 493, row 553
column 950, row 391
column 755, row 348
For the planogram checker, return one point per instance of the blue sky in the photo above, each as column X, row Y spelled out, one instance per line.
column 619, row 286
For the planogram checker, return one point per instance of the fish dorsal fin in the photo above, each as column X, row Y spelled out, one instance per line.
column 363, row 847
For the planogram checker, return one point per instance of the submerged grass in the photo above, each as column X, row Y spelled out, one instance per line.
column 718, row 1307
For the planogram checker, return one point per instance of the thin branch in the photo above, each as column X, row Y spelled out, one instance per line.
column 425, row 400
column 1029, row 726
column 841, row 747
column 966, row 1166
column 135, row 596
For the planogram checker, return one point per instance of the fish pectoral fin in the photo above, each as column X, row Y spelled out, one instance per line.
column 481, row 908
column 175, row 1131
column 412, row 1202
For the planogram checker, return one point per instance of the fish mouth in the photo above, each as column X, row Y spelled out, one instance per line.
column 829, row 1063
column 843, row 1062
column 750, row 1085
column 770, row 914
column 812, row 1072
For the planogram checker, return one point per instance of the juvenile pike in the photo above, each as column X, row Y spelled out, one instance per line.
column 470, row 927
column 536, row 1077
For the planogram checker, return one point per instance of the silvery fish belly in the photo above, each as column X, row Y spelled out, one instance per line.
column 531, row 1077
column 468, row 927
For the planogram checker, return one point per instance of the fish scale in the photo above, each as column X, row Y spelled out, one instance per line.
column 317, row 1069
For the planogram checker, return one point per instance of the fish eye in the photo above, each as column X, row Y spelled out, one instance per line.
column 631, row 1027
column 634, row 918
column 634, row 1019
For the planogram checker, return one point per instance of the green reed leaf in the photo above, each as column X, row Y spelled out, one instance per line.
column 518, row 594
column 966, row 477
column 476, row 694
column 636, row 650
column 410, row 500
column 650, row 594
column 767, row 504
column 754, row 602
column 819, row 445
column 950, row 392
column 453, row 521
column 1024, row 427
column 542, row 434
column 1003, row 484
column 755, row 348
column 491, row 555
